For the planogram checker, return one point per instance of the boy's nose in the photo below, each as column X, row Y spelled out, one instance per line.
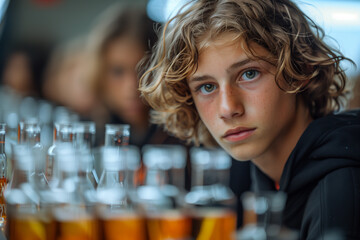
column 230, row 105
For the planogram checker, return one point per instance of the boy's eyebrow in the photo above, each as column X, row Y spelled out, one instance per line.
column 229, row 70
column 200, row 78
column 238, row 64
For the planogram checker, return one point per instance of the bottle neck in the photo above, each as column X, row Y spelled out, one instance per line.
column 177, row 178
column 63, row 132
column 32, row 137
column 203, row 176
column 3, row 159
column 222, row 176
column 64, row 137
column 2, row 143
column 84, row 140
column 156, row 177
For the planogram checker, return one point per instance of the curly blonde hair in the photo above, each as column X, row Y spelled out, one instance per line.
column 305, row 65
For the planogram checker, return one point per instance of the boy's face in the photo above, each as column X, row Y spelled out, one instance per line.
column 239, row 102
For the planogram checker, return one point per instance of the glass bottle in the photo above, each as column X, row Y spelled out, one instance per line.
column 86, row 180
column 3, row 175
column 112, row 185
column 119, row 216
column 161, row 196
column 262, row 216
column 212, row 203
column 84, row 141
column 72, row 215
column 23, row 200
column 46, row 122
column 84, row 135
column 117, row 134
column 63, row 133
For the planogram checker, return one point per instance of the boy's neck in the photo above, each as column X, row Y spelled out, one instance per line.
column 273, row 163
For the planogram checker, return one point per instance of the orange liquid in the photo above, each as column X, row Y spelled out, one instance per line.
column 120, row 227
column 249, row 217
column 74, row 226
column 2, row 200
column 29, row 228
column 210, row 224
column 168, row 225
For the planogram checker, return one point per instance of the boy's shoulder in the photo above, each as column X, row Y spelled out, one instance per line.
column 342, row 127
column 333, row 205
column 335, row 120
column 328, row 144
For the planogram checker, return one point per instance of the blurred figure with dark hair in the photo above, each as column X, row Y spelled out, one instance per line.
column 23, row 69
column 118, row 42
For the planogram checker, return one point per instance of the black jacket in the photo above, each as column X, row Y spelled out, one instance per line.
column 322, row 178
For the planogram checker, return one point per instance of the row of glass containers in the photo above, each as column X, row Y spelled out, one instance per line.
column 59, row 196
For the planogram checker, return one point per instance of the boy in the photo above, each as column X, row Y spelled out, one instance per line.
column 256, row 78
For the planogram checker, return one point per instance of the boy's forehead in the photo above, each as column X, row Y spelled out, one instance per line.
column 219, row 41
column 251, row 49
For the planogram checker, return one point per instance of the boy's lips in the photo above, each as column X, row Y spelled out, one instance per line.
column 238, row 134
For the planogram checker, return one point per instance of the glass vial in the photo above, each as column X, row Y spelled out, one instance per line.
column 73, row 216
column 119, row 216
column 84, row 141
column 63, row 133
column 25, row 221
column 3, row 175
column 211, row 202
column 162, row 195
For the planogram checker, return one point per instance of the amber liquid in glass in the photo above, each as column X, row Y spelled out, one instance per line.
column 122, row 226
column 170, row 224
column 213, row 224
column 30, row 227
column 74, row 226
column 2, row 200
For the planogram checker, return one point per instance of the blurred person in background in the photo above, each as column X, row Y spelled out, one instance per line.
column 119, row 40
column 67, row 81
column 22, row 72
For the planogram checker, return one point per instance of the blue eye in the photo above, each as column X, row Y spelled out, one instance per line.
column 249, row 75
column 207, row 88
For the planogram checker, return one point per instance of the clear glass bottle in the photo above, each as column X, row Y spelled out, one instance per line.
column 117, row 134
column 72, row 215
column 84, row 135
column 118, row 214
column 23, row 200
column 84, row 141
column 3, row 175
column 111, row 190
column 162, row 194
column 63, row 133
column 87, row 183
column 262, row 217
column 212, row 203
